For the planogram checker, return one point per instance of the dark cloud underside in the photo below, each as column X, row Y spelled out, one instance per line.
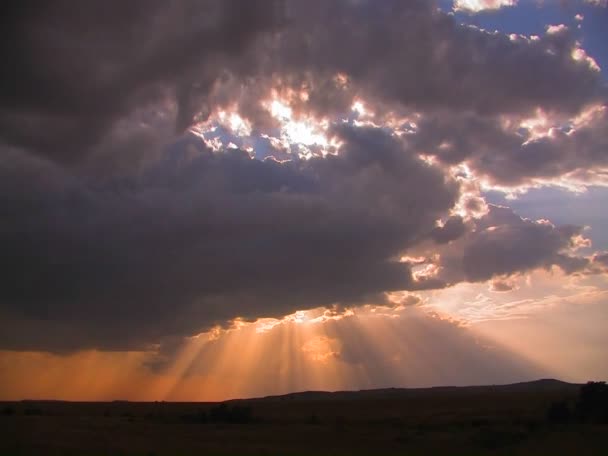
column 120, row 229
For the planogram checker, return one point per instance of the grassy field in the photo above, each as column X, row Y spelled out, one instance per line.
column 507, row 420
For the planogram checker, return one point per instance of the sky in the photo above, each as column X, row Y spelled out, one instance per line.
column 207, row 199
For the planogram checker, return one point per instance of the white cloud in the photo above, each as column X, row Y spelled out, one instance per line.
column 475, row 6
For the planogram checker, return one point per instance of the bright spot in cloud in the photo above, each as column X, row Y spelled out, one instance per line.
column 579, row 54
column 588, row 116
column 536, row 127
column 280, row 110
column 235, row 123
column 559, row 28
column 359, row 108
column 474, row 6
column 307, row 131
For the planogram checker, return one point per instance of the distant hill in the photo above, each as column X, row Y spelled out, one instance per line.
column 536, row 386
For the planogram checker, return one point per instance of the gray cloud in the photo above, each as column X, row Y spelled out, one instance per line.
column 513, row 158
column 502, row 243
column 78, row 67
column 202, row 237
column 463, row 82
column 117, row 232
column 451, row 230
column 481, row 72
column 501, row 286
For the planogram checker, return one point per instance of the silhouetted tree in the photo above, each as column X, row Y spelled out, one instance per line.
column 592, row 403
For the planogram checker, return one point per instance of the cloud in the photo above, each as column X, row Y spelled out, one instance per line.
column 121, row 228
column 599, row 262
column 501, row 286
column 452, row 229
column 160, row 57
column 478, row 69
column 318, row 55
column 479, row 89
column 475, row 6
column 82, row 67
column 202, row 237
column 516, row 155
column 602, row 3
column 502, row 244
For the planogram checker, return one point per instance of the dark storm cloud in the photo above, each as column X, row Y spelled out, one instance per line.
column 464, row 82
column 117, row 234
column 502, row 243
column 204, row 237
column 73, row 68
column 78, row 68
column 513, row 158
column 432, row 63
column 602, row 258
column 599, row 263
column 452, row 229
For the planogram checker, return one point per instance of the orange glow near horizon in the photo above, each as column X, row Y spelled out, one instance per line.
column 336, row 349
